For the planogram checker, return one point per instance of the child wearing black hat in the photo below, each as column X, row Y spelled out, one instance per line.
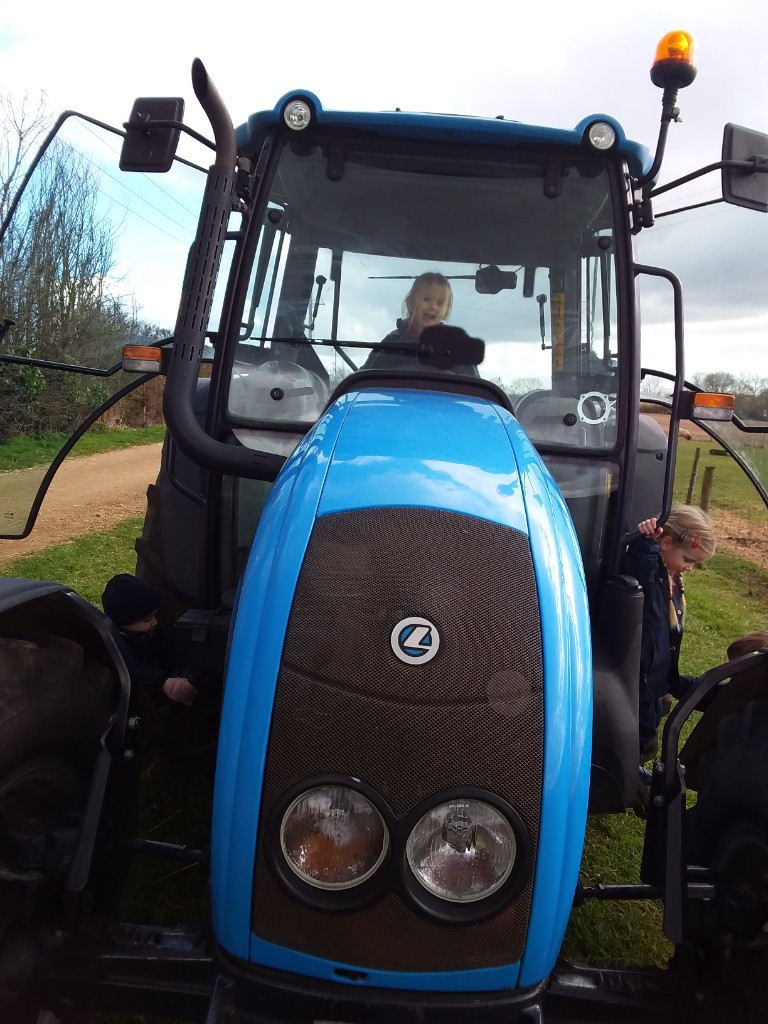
column 132, row 604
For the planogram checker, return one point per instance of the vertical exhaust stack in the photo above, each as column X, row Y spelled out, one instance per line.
column 195, row 306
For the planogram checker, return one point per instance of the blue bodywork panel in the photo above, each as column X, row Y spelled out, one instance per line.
column 442, row 127
column 392, row 448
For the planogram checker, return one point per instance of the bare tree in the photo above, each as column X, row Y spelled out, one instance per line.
column 20, row 129
column 749, row 390
column 751, row 384
column 719, row 381
column 56, row 258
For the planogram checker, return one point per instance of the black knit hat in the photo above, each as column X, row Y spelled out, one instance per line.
column 127, row 599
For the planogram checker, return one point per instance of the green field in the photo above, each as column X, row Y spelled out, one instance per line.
column 726, row 597
column 731, row 489
column 84, row 564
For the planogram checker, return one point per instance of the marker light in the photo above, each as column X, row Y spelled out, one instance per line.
column 333, row 837
column 141, row 359
column 297, row 115
column 601, row 135
column 674, row 61
column 709, row 406
column 462, row 850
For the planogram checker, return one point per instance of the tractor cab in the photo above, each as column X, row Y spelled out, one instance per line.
column 529, row 242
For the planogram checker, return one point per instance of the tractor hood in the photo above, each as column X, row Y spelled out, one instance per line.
column 411, row 631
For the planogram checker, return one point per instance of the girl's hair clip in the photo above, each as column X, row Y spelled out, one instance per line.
column 696, row 540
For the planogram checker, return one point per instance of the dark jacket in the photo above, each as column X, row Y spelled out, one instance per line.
column 387, row 357
column 660, row 644
column 147, row 659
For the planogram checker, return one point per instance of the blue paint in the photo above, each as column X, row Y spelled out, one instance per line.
column 489, row 979
column 261, row 614
column 427, row 449
column 446, row 127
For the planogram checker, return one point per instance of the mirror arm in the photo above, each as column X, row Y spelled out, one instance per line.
column 755, row 165
column 147, row 126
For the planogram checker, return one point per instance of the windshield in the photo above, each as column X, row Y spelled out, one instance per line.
column 517, row 252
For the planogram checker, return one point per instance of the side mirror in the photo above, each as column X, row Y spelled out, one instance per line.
column 150, row 136
column 491, row 280
column 746, row 185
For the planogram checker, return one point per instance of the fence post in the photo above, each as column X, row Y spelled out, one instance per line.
column 694, row 471
column 706, row 487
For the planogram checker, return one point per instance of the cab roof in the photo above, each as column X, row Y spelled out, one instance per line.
column 401, row 125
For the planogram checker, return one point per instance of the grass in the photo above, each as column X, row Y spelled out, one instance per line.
column 623, row 932
column 610, row 932
column 159, row 890
column 86, row 563
column 731, row 488
column 175, row 892
column 632, row 932
column 23, row 452
column 617, row 931
column 726, row 598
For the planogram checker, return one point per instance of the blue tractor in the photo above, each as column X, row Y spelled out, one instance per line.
column 397, row 562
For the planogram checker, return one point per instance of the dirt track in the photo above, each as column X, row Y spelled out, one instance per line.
column 88, row 495
column 93, row 494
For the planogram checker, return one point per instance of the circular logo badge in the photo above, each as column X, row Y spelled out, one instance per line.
column 415, row 640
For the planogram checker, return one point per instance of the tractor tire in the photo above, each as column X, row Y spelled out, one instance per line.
column 729, row 824
column 54, row 706
column 150, row 561
column 149, row 546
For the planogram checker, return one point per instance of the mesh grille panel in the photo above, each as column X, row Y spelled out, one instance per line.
column 470, row 717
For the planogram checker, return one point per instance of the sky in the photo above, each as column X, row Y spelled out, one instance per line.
column 552, row 65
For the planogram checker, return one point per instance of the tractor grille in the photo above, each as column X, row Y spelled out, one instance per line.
column 345, row 704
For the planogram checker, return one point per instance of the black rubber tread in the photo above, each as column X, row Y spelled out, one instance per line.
column 149, row 546
column 52, row 700
column 35, row 797
column 150, row 559
column 734, row 775
column 729, row 824
column 54, row 706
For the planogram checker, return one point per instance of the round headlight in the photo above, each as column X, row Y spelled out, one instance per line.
column 297, row 115
column 601, row 135
column 333, row 837
column 462, row 850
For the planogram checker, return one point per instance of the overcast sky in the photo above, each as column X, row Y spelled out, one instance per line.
column 551, row 64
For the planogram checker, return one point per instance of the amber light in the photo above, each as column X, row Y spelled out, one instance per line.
column 141, row 358
column 675, row 46
column 711, row 406
column 674, row 60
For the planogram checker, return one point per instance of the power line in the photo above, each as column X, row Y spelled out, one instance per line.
column 150, row 179
column 119, row 182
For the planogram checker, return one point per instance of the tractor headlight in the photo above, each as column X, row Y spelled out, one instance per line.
column 601, row 135
column 462, row 850
column 297, row 115
column 332, row 837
